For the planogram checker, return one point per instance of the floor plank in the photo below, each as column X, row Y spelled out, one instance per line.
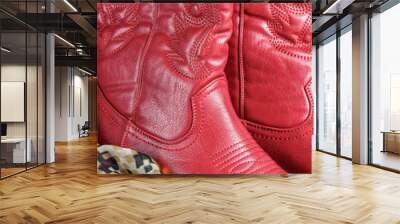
column 70, row 191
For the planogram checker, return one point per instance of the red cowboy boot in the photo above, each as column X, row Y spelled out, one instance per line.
column 162, row 88
column 269, row 75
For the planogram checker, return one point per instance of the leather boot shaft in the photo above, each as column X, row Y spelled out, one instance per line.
column 163, row 90
column 269, row 73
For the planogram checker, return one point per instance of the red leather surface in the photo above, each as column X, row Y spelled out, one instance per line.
column 162, row 88
column 269, row 73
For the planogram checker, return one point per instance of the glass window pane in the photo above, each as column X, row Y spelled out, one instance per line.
column 13, row 86
column 41, row 98
column 314, row 91
column 385, row 114
column 346, row 94
column 23, row 89
column 327, row 96
column 31, row 100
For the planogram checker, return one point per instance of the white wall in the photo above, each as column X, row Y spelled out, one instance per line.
column 33, row 127
column 62, row 82
column 71, row 94
column 16, row 73
column 81, row 84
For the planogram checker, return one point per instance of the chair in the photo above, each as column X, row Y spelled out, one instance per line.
column 84, row 130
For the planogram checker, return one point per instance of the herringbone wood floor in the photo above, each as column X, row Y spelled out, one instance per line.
column 69, row 191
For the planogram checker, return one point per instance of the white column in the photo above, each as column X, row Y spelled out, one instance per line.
column 360, row 90
column 50, row 92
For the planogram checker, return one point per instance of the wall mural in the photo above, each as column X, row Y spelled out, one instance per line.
column 204, row 88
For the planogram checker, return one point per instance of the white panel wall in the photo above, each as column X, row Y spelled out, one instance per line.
column 71, row 102
column 62, row 81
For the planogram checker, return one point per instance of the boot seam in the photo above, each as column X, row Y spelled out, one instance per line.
column 240, row 62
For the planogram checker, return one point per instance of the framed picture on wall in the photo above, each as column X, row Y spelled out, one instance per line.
column 12, row 101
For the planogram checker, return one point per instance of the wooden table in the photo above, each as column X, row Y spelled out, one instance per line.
column 391, row 141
